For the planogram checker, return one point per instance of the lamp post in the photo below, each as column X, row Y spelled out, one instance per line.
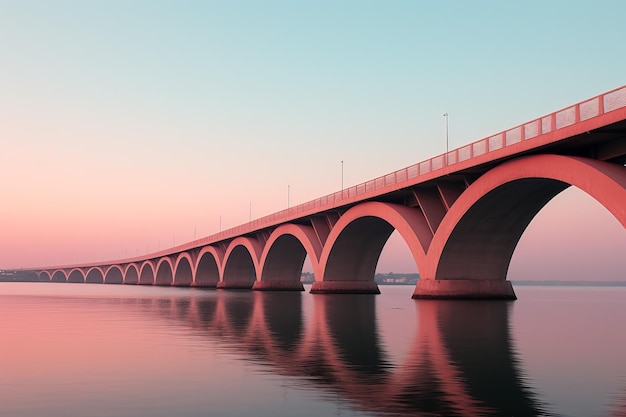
column 342, row 175
column 447, row 147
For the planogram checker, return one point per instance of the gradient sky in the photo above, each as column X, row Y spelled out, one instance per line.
column 131, row 126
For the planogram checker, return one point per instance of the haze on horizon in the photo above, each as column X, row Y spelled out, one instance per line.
column 131, row 127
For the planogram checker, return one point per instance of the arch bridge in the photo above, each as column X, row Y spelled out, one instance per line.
column 461, row 214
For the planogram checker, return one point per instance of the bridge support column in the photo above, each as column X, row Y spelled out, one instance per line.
column 233, row 285
column 463, row 289
column 278, row 286
column 344, row 287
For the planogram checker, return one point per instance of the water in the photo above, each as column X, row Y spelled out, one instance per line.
column 106, row 350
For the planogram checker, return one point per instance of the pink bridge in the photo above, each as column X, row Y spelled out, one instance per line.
column 460, row 213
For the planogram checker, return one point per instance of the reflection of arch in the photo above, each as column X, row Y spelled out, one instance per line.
column 146, row 276
column 76, row 275
column 114, row 275
column 164, row 275
column 95, row 276
column 207, row 268
column 283, row 257
column 354, row 245
column 59, row 276
column 183, row 274
column 130, row 275
column 241, row 263
column 449, row 370
column 476, row 239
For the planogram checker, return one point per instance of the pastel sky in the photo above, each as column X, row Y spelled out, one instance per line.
column 128, row 126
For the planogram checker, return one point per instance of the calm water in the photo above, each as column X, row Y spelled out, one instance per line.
column 103, row 350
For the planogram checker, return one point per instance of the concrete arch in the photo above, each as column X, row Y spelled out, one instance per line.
column 354, row 245
column 131, row 276
column 183, row 272
column 76, row 275
column 164, row 272
column 59, row 276
column 208, row 266
column 477, row 237
column 283, row 257
column 95, row 276
column 44, row 276
column 114, row 275
column 241, row 263
column 146, row 275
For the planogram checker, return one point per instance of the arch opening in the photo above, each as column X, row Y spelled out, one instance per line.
column 113, row 276
column 239, row 270
column 207, row 272
column 482, row 243
column 282, row 268
column 356, row 251
column 147, row 275
column 44, row 276
column 59, row 276
column 184, row 275
column 164, row 274
column 396, row 265
column 94, row 276
column 563, row 244
column 131, row 275
column 76, row 276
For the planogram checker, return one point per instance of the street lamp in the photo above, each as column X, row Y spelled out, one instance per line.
column 447, row 147
column 341, row 175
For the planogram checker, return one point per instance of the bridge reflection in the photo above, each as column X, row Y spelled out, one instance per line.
column 461, row 360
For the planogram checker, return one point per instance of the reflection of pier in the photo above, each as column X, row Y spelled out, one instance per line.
column 461, row 361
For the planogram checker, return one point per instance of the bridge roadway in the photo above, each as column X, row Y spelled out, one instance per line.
column 460, row 213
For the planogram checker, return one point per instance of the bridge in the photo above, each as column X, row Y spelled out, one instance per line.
column 461, row 214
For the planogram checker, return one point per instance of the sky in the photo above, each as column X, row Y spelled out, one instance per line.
column 131, row 126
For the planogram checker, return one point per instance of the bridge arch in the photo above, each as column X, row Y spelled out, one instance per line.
column 356, row 241
column 146, row 275
column 476, row 239
column 114, row 275
column 59, row 276
column 208, row 266
column 164, row 274
column 241, row 263
column 44, row 276
column 183, row 272
column 76, row 275
column 131, row 276
column 283, row 257
column 95, row 276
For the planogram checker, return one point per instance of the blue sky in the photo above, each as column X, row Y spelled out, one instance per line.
column 142, row 123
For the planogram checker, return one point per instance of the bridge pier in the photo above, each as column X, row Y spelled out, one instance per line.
column 344, row 287
column 458, row 289
column 278, row 286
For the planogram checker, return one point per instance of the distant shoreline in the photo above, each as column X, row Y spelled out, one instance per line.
column 570, row 283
